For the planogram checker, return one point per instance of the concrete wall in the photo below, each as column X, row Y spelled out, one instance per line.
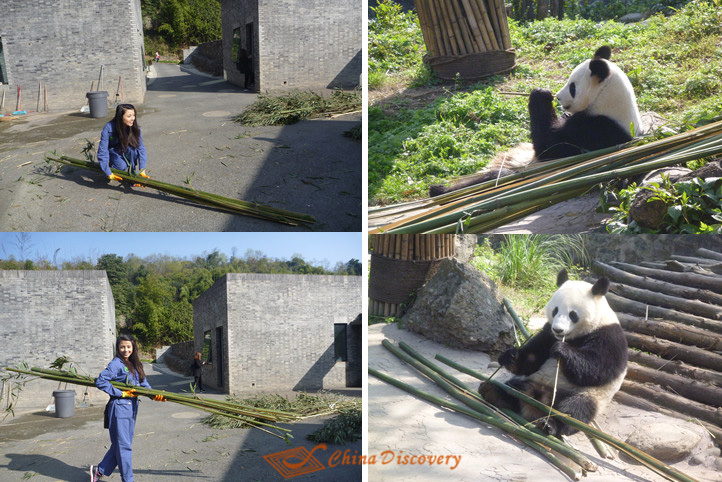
column 279, row 330
column 48, row 314
column 63, row 43
column 298, row 45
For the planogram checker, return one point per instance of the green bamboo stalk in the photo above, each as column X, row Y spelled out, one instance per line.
column 492, row 416
column 517, row 320
column 429, row 397
column 649, row 461
column 235, row 206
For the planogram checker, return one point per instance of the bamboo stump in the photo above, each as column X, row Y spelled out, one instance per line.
column 399, row 265
column 468, row 38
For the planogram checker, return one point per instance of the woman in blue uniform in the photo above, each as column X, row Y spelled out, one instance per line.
column 121, row 144
column 122, row 408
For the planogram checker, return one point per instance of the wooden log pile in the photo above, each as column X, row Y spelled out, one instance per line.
column 672, row 315
column 469, row 37
column 400, row 264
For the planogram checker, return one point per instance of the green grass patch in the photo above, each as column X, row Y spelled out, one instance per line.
column 344, row 427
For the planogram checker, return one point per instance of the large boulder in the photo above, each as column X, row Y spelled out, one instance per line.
column 461, row 307
column 667, row 442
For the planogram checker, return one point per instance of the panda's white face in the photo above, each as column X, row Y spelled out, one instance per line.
column 574, row 310
column 580, row 89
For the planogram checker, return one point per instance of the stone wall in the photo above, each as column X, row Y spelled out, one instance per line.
column 279, row 329
column 298, row 45
column 49, row 314
column 647, row 247
column 63, row 43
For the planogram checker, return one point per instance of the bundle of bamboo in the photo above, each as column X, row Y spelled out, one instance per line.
column 518, row 428
column 235, row 206
column 480, row 208
column 466, row 37
column 262, row 419
column 413, row 255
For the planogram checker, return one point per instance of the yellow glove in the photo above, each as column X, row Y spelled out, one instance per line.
column 129, row 393
column 159, row 398
column 113, row 177
column 143, row 174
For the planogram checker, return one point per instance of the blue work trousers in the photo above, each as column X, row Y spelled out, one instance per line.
column 120, row 162
column 121, row 415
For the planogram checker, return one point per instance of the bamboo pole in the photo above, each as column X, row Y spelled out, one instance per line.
column 463, row 27
column 471, row 18
column 457, row 44
column 443, row 40
column 235, row 206
column 483, row 23
column 427, row 29
column 486, row 18
column 494, row 16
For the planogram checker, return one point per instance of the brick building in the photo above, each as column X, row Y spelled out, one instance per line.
column 295, row 44
column 265, row 332
column 63, row 44
column 48, row 314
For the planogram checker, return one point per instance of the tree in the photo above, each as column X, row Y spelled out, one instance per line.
column 123, row 292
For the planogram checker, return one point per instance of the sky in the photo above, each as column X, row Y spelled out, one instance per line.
column 322, row 248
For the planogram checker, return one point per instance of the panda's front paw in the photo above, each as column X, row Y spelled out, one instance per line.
column 508, row 358
column 559, row 349
column 549, row 425
column 541, row 102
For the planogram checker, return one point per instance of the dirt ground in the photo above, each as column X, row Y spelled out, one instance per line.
column 402, row 425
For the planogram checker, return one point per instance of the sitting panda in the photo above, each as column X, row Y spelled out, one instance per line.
column 582, row 336
column 601, row 112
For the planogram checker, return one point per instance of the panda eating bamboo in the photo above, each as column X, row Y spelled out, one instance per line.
column 584, row 339
column 601, row 111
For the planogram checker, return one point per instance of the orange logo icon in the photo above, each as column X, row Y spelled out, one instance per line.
column 296, row 461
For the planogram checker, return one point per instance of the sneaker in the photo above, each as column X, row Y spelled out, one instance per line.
column 94, row 474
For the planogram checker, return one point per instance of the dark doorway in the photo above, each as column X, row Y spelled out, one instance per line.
column 219, row 355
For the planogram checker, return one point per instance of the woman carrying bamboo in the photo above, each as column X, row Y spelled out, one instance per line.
column 121, row 144
column 122, row 408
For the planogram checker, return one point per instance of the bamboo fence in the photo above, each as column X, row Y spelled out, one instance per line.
column 470, row 37
column 671, row 313
column 483, row 207
column 399, row 265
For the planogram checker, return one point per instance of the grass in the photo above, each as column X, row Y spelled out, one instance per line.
column 412, row 146
column 525, row 267
column 295, row 106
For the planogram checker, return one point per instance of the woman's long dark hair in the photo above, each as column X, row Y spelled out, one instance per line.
column 127, row 136
column 133, row 362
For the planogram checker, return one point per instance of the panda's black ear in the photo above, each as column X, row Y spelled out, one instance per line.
column 601, row 287
column 603, row 52
column 562, row 277
column 599, row 69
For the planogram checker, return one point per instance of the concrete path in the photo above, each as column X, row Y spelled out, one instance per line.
column 309, row 167
column 170, row 445
column 402, row 428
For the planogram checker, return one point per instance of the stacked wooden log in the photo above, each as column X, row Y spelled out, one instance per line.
column 672, row 315
column 399, row 265
column 470, row 37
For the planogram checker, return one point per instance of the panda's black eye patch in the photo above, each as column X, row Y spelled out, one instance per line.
column 573, row 316
column 555, row 311
column 573, row 89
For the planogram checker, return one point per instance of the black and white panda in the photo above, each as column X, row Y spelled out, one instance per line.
column 601, row 111
column 584, row 335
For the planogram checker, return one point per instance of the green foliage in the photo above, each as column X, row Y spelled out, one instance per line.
column 693, row 207
column 344, row 427
column 290, row 108
column 179, row 23
column 395, row 42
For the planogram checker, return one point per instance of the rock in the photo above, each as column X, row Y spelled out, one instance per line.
column 667, row 442
column 464, row 247
column 670, row 172
column 718, row 463
column 697, row 459
column 631, row 18
column 461, row 307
